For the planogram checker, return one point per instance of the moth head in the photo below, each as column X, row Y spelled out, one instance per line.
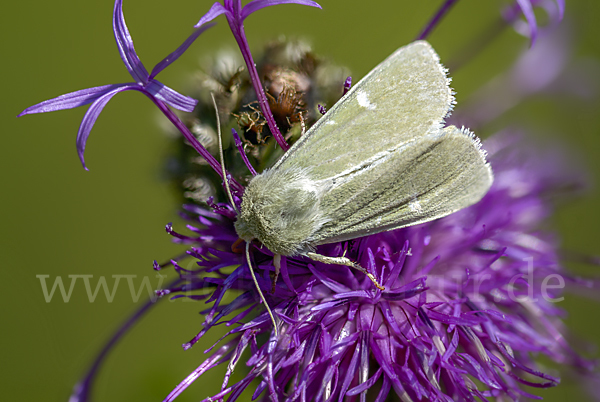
column 281, row 209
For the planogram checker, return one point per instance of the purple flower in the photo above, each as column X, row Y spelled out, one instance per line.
column 555, row 11
column 469, row 299
column 144, row 82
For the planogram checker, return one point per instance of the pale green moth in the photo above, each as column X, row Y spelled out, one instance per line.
column 379, row 159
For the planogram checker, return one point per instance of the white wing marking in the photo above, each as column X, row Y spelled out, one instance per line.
column 363, row 100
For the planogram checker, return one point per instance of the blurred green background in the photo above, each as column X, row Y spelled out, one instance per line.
column 58, row 219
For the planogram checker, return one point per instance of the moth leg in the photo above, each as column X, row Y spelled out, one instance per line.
column 277, row 264
column 344, row 261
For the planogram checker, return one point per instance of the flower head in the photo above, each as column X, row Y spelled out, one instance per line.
column 143, row 82
column 469, row 300
column 236, row 14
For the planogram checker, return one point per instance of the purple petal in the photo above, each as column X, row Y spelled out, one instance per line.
column 385, row 389
column 326, row 306
column 170, row 96
column 365, row 385
column 90, row 118
column 327, row 281
column 464, row 319
column 388, row 314
column 178, row 52
column 216, row 10
column 258, row 4
column 561, row 8
column 407, row 291
column 451, row 347
column 71, row 100
column 125, row 45
column 527, row 10
column 353, row 294
column 209, row 363
column 350, row 371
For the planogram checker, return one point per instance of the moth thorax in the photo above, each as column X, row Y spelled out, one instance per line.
column 280, row 208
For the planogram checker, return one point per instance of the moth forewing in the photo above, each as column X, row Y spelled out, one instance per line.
column 425, row 179
column 404, row 97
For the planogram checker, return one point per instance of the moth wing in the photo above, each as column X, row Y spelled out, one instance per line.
column 404, row 97
column 425, row 179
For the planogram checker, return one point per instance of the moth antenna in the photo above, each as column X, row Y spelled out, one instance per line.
column 258, row 288
column 225, row 180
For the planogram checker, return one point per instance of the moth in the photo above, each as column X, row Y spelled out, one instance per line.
column 379, row 159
